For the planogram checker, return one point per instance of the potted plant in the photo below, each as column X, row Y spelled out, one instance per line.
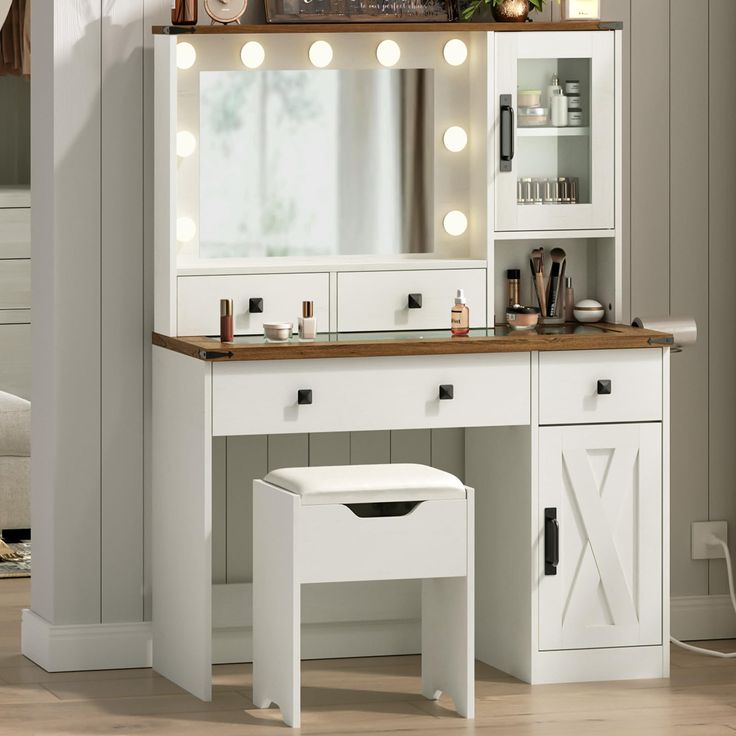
column 504, row 11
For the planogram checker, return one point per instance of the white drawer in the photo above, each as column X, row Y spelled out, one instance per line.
column 15, row 233
column 282, row 296
column 568, row 386
column 379, row 300
column 351, row 394
column 430, row 541
column 15, row 283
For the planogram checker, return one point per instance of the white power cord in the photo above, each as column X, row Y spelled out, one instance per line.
column 713, row 541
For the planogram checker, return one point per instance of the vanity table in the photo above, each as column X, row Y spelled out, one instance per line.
column 324, row 196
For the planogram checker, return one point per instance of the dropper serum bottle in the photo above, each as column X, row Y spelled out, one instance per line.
column 460, row 316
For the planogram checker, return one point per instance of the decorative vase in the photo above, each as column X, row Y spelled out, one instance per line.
column 511, row 11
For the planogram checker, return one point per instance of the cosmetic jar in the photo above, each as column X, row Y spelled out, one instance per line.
column 277, row 331
column 529, row 97
column 572, row 87
column 574, row 117
column 588, row 310
column 522, row 318
column 574, row 102
column 530, row 117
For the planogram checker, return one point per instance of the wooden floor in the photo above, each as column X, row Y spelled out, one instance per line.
column 368, row 696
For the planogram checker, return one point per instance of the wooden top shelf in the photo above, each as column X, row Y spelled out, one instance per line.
column 365, row 26
column 369, row 345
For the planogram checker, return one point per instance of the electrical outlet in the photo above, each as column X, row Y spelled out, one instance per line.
column 701, row 531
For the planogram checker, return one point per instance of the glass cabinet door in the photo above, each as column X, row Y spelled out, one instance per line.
column 555, row 130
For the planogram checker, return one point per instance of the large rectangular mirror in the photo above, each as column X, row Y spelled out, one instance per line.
column 316, row 163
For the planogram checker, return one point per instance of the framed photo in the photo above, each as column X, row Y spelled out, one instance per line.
column 356, row 11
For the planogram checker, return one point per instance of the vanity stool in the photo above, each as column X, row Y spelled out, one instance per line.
column 363, row 522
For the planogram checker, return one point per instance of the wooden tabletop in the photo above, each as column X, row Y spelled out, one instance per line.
column 368, row 345
column 371, row 26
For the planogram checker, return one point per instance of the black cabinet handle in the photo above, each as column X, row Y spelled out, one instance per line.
column 551, row 541
column 447, row 392
column 604, row 387
column 304, row 396
column 255, row 305
column 415, row 301
column 507, row 133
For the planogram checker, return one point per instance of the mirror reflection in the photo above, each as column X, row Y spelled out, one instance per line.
column 314, row 163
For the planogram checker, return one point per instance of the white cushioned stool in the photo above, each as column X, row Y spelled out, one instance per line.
column 363, row 522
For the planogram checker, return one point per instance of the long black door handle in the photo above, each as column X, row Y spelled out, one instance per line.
column 551, row 541
column 507, row 133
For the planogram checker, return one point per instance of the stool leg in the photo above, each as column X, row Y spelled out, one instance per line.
column 276, row 602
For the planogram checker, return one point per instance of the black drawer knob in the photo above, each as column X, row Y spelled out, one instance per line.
column 255, row 305
column 304, row 396
column 604, row 387
column 447, row 392
column 415, row 301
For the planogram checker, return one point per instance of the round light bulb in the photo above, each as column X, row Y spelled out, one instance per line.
column 455, row 138
column 185, row 55
column 320, row 54
column 252, row 54
column 185, row 229
column 455, row 223
column 388, row 53
column 186, row 144
column 455, row 52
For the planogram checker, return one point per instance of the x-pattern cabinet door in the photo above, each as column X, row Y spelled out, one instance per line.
column 605, row 484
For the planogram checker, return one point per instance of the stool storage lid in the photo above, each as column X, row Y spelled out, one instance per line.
column 367, row 483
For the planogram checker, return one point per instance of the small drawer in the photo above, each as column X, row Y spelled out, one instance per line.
column 15, row 283
column 429, row 541
column 352, row 394
column 596, row 386
column 279, row 298
column 15, row 233
column 407, row 300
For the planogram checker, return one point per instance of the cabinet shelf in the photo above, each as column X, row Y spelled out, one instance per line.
column 545, row 132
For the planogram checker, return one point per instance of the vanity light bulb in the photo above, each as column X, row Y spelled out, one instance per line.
column 185, row 55
column 455, row 223
column 388, row 53
column 455, row 52
column 186, row 144
column 455, row 138
column 320, row 54
column 185, row 229
column 252, row 54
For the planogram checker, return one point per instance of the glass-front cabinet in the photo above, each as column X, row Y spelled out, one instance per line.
column 555, row 131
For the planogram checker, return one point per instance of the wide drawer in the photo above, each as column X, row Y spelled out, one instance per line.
column 354, row 394
column 280, row 297
column 569, row 390
column 428, row 542
column 15, row 284
column 380, row 300
column 15, row 233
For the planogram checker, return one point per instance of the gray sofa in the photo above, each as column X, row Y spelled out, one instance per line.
column 15, row 462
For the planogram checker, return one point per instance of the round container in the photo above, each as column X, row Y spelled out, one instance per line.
column 529, row 97
column 574, row 117
column 572, row 86
column 522, row 318
column 588, row 310
column 530, row 117
column 278, row 331
column 574, row 102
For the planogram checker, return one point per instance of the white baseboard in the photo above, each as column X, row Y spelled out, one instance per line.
column 701, row 617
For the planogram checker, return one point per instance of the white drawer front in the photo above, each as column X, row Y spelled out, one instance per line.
column 15, row 284
column 379, row 300
column 282, row 295
column 568, row 386
column 430, row 541
column 15, row 233
column 352, row 394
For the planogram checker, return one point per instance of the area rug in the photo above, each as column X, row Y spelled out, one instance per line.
column 17, row 562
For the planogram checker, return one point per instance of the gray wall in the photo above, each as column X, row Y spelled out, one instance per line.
column 93, row 264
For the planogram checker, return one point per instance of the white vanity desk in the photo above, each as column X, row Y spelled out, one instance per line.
column 566, row 430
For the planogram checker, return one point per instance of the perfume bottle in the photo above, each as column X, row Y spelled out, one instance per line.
column 460, row 315
column 569, row 300
column 184, row 12
column 226, row 320
column 307, row 322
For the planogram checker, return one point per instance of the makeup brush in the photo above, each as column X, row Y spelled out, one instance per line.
column 538, row 258
column 558, row 261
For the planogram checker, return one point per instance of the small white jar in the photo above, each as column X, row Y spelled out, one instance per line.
column 588, row 310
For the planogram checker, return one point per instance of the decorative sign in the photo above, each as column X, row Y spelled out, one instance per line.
column 348, row 11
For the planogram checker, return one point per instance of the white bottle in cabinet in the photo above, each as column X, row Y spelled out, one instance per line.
column 555, row 178
column 600, row 508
